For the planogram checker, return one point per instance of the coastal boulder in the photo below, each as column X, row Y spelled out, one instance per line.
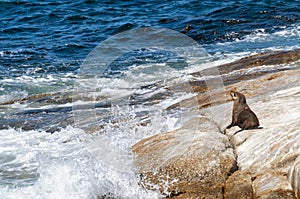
column 239, row 185
column 272, row 184
column 186, row 163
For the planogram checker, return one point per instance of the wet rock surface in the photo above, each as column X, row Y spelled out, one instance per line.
column 59, row 104
column 261, row 59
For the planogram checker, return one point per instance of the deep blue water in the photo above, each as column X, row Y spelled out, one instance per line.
column 39, row 38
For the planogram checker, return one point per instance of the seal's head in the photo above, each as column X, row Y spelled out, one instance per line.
column 236, row 96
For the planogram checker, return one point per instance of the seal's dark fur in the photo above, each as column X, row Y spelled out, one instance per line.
column 242, row 115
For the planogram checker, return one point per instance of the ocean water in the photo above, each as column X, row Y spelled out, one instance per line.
column 82, row 81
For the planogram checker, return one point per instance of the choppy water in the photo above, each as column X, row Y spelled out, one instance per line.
column 43, row 45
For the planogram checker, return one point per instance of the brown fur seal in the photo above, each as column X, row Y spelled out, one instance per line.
column 242, row 115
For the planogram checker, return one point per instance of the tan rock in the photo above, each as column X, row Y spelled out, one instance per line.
column 193, row 163
column 239, row 185
column 251, row 87
column 190, row 164
column 261, row 59
column 272, row 185
column 294, row 176
column 199, row 162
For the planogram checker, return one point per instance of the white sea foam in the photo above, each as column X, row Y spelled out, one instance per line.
column 61, row 165
column 259, row 41
column 26, row 79
column 73, row 164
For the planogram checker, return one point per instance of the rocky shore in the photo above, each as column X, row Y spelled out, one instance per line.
column 198, row 161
